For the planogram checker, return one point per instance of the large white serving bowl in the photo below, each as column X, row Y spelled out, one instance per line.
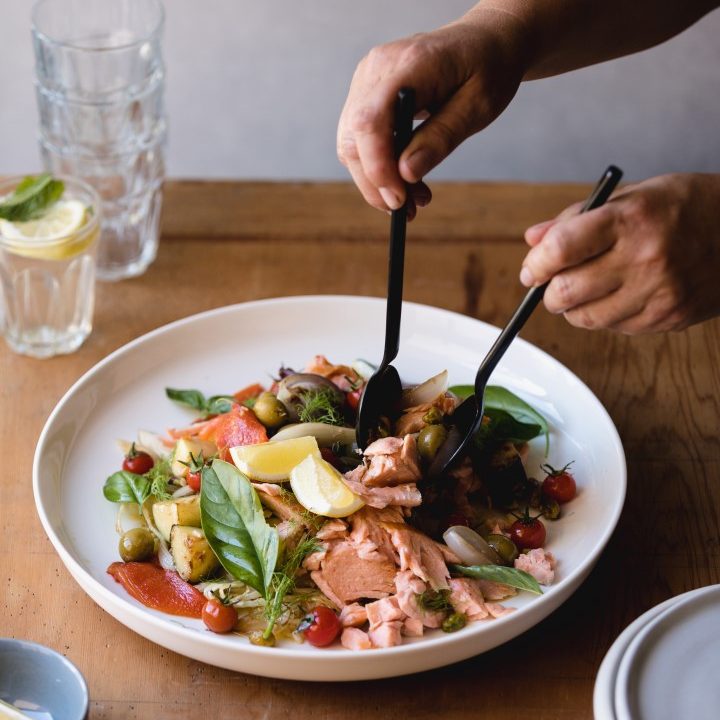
column 225, row 349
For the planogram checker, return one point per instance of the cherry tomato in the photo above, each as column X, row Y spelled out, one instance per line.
column 218, row 617
column 320, row 626
column 194, row 480
column 137, row 461
column 527, row 533
column 353, row 398
column 559, row 485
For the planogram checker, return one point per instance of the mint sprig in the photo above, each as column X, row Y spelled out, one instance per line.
column 31, row 198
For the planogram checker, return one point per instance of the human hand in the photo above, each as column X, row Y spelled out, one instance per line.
column 646, row 261
column 463, row 74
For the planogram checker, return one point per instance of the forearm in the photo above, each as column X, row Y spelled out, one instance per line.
column 562, row 35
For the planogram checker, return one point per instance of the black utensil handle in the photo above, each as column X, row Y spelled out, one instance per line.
column 607, row 183
column 404, row 113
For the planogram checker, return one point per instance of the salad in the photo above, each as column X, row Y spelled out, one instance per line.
column 262, row 516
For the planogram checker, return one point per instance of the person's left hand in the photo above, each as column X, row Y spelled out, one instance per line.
column 646, row 261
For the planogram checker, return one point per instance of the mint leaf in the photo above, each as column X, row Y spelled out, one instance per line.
column 31, row 198
column 234, row 524
column 500, row 574
column 123, row 486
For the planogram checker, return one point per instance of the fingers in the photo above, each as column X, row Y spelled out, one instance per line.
column 535, row 233
column 568, row 243
column 442, row 132
column 591, row 281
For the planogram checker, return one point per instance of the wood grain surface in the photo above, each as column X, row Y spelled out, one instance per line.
column 230, row 242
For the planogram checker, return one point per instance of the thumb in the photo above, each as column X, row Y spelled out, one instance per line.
column 438, row 136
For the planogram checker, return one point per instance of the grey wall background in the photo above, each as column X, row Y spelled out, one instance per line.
column 255, row 89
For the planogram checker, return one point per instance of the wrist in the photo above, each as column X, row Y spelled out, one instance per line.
column 504, row 24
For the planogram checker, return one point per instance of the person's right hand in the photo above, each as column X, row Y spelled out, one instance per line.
column 463, row 74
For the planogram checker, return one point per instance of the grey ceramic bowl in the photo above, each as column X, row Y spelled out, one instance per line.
column 34, row 677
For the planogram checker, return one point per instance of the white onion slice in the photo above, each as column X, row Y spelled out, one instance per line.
column 470, row 547
column 325, row 434
column 183, row 491
column 425, row 392
column 128, row 517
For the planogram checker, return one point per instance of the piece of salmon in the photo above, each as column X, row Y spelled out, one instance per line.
column 392, row 461
column 353, row 638
column 342, row 376
column 419, row 554
column 539, row 563
column 344, row 576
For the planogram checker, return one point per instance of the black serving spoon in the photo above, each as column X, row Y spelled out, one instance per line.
column 465, row 421
column 382, row 392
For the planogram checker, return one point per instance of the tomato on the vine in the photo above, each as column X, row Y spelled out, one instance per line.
column 527, row 533
column 218, row 617
column 353, row 398
column 194, row 480
column 137, row 461
column 559, row 485
column 320, row 626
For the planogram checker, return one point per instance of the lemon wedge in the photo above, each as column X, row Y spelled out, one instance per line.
column 319, row 488
column 273, row 461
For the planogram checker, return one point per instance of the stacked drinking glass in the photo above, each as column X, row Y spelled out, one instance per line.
column 99, row 83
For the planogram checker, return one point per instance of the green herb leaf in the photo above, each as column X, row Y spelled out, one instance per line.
column 435, row 600
column 320, row 406
column 159, row 476
column 31, row 198
column 284, row 581
column 215, row 405
column 123, row 486
column 500, row 574
column 499, row 403
column 234, row 524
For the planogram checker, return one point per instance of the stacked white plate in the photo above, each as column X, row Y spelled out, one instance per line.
column 666, row 664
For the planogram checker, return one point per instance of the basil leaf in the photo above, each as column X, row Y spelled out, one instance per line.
column 215, row 405
column 500, row 574
column 123, row 486
column 192, row 398
column 234, row 525
column 498, row 398
column 31, row 198
column 504, row 425
column 219, row 404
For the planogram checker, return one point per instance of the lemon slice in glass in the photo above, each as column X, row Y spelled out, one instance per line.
column 56, row 235
column 319, row 488
column 273, row 461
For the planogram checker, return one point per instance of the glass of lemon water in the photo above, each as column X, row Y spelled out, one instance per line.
column 49, row 228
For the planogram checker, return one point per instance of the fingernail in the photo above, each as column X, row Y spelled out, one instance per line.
column 422, row 201
column 419, row 162
column 390, row 198
column 526, row 277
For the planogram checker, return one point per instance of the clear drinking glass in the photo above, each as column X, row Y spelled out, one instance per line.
column 48, row 285
column 100, row 94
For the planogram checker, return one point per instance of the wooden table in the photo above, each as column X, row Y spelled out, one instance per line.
column 231, row 242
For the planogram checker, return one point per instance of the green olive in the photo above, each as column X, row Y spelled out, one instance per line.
column 433, row 416
column 270, row 411
column 503, row 546
column 136, row 545
column 430, row 439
